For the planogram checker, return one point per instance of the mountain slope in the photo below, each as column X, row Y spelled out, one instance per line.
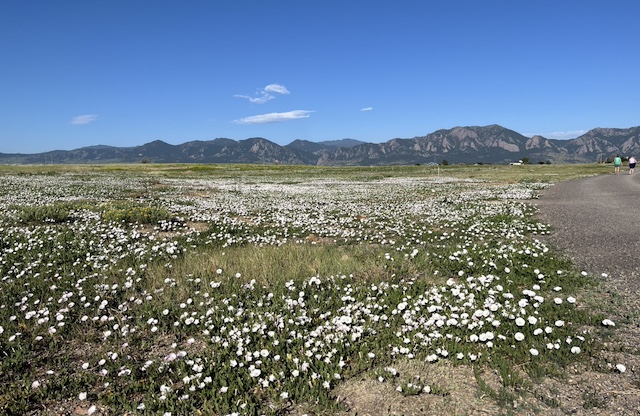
column 473, row 144
column 489, row 144
column 599, row 144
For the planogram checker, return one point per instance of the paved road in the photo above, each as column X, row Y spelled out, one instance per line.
column 596, row 221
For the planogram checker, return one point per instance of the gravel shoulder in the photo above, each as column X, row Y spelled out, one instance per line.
column 597, row 222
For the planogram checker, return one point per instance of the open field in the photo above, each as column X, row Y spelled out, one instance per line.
column 216, row 289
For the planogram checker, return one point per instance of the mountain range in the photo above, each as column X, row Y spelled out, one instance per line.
column 474, row 144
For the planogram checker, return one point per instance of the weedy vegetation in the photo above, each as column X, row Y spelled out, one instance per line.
column 228, row 290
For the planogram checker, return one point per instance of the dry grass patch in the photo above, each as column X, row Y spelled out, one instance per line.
column 270, row 265
column 454, row 391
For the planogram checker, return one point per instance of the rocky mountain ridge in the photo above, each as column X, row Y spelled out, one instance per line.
column 474, row 144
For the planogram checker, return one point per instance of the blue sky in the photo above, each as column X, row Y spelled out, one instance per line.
column 124, row 73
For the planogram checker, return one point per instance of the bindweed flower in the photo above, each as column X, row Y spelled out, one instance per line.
column 289, row 335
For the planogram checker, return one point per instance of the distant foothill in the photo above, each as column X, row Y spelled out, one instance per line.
column 470, row 145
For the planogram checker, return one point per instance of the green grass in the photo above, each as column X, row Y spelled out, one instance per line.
column 132, row 213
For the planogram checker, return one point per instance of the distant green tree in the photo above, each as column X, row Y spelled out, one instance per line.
column 445, row 162
column 525, row 160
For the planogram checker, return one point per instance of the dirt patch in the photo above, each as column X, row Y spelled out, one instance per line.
column 453, row 391
column 605, row 392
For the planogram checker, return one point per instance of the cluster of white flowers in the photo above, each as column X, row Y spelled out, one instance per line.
column 226, row 333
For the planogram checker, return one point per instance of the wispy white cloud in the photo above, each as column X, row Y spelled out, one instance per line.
column 560, row 135
column 257, row 100
column 265, row 94
column 279, row 89
column 84, row 119
column 367, row 109
column 274, row 117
